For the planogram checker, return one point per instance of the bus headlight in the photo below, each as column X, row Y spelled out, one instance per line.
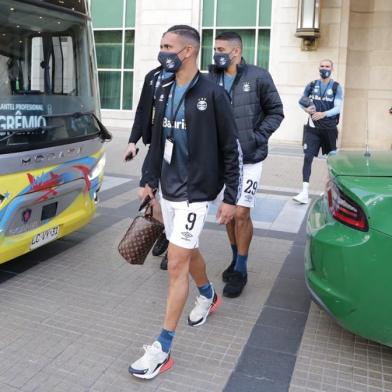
column 97, row 170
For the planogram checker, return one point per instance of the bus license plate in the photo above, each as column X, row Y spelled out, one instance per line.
column 44, row 237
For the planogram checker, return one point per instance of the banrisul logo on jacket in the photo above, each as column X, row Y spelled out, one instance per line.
column 202, row 104
column 246, row 87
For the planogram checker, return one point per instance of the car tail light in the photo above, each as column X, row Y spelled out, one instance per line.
column 345, row 210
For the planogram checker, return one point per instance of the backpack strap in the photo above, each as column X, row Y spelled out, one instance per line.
column 334, row 89
column 312, row 84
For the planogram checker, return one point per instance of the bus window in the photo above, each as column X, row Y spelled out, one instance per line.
column 46, row 76
column 53, row 65
column 4, row 80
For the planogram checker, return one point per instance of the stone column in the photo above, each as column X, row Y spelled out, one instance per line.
column 153, row 17
column 292, row 68
column 368, row 94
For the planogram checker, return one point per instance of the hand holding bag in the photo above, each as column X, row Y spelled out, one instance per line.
column 140, row 237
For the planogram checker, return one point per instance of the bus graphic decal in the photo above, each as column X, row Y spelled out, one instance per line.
column 47, row 185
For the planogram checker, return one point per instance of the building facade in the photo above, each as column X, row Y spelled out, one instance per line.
column 354, row 34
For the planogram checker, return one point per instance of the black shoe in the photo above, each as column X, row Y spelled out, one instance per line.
column 163, row 265
column 160, row 245
column 235, row 285
column 228, row 272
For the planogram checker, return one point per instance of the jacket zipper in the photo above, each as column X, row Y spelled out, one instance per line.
column 188, row 133
column 189, row 151
column 235, row 83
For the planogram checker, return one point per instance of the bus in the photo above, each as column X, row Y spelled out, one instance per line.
column 51, row 138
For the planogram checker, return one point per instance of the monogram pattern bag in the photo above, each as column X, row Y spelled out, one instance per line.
column 139, row 238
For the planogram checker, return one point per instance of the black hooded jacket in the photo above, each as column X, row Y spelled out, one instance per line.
column 144, row 113
column 214, row 153
column 257, row 107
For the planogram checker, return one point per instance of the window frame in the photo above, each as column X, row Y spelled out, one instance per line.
column 255, row 29
column 122, row 69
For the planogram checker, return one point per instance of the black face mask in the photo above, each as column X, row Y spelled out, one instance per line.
column 170, row 61
column 222, row 60
column 325, row 73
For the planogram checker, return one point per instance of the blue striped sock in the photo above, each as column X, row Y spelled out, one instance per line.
column 166, row 339
column 241, row 264
column 206, row 290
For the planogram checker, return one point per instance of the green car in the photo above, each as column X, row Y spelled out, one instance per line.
column 348, row 257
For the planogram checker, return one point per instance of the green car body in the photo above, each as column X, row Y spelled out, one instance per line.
column 348, row 268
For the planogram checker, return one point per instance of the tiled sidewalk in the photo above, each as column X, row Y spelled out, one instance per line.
column 78, row 314
column 334, row 360
column 73, row 315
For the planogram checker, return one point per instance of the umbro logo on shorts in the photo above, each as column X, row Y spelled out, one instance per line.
column 186, row 235
column 248, row 198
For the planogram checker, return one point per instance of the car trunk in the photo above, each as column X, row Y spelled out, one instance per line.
column 368, row 181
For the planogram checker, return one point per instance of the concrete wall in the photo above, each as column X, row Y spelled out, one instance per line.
column 369, row 76
column 292, row 68
column 355, row 34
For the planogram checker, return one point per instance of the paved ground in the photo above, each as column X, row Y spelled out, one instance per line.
column 73, row 314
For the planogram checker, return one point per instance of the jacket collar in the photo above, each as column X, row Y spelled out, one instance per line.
column 169, row 81
column 156, row 71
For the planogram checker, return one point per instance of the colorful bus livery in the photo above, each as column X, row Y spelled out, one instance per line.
column 42, row 205
column 51, row 139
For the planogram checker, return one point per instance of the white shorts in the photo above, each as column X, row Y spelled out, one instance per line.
column 184, row 221
column 250, row 181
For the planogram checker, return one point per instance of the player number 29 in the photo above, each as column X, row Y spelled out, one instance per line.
column 252, row 187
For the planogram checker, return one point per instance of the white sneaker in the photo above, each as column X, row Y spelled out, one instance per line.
column 203, row 308
column 302, row 198
column 153, row 362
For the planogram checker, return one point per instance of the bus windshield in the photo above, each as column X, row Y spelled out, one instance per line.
column 46, row 70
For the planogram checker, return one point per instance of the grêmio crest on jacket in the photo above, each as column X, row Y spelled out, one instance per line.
column 202, row 104
column 246, row 87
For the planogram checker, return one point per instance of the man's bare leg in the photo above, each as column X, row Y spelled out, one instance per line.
column 178, row 269
column 230, row 230
column 197, row 268
column 243, row 229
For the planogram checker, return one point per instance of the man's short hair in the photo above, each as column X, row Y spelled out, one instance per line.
column 187, row 32
column 231, row 36
column 330, row 61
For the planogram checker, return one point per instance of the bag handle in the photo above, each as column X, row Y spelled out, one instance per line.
column 149, row 211
column 146, row 201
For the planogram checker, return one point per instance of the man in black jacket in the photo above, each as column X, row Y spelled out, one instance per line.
column 194, row 152
column 141, row 129
column 258, row 112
